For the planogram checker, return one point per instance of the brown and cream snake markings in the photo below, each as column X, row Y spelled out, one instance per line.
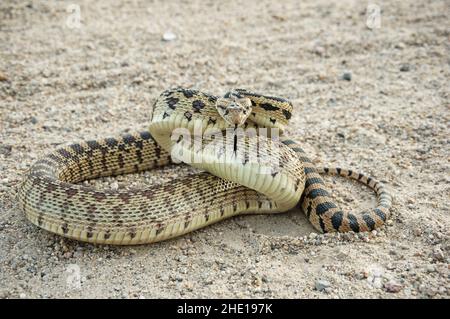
column 231, row 184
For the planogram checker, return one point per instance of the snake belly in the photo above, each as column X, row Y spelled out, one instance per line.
column 52, row 199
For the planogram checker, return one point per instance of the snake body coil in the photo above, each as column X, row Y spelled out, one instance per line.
column 52, row 200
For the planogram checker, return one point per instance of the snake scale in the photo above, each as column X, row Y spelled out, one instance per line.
column 53, row 198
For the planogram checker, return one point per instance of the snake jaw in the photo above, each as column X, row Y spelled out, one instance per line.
column 234, row 109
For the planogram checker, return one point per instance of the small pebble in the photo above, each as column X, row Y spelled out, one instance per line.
column 393, row 286
column 392, row 252
column 331, row 102
column 438, row 254
column 321, row 284
column 405, row 67
column 312, row 235
column 319, row 50
column 257, row 281
column 431, row 291
column 169, row 36
column 431, row 268
column 114, row 186
column 347, row 76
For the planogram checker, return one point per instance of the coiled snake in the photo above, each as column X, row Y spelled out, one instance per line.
column 236, row 180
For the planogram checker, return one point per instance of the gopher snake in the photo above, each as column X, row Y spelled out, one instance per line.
column 52, row 200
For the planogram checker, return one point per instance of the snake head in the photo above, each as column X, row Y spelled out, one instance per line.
column 234, row 108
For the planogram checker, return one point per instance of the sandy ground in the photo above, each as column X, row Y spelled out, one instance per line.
column 62, row 81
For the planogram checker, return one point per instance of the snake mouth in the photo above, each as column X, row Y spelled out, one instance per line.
column 235, row 116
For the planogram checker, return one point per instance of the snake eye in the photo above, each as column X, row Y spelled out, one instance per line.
column 245, row 102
